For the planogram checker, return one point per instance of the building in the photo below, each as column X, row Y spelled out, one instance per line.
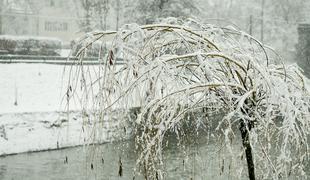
column 55, row 18
column 16, row 18
column 48, row 18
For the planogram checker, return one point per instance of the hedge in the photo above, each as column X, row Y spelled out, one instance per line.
column 29, row 45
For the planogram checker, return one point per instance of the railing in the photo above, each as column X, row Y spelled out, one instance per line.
column 6, row 59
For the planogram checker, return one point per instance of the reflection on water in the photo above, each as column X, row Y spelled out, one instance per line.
column 198, row 160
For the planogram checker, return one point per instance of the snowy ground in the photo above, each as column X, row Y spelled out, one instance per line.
column 26, row 92
column 34, row 87
column 32, row 116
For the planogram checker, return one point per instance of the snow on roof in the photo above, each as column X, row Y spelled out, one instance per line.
column 21, row 6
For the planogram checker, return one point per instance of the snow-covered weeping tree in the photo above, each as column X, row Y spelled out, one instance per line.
column 180, row 72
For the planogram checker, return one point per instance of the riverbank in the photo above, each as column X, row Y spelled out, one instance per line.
column 33, row 113
column 41, row 131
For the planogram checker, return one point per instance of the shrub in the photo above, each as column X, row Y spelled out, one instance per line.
column 94, row 50
column 28, row 45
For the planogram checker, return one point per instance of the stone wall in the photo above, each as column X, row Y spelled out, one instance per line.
column 303, row 48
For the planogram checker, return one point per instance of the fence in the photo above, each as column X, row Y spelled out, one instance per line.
column 6, row 59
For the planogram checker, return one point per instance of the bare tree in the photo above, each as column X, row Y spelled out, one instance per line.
column 1, row 11
column 146, row 12
column 100, row 11
column 86, row 5
column 92, row 14
column 118, row 9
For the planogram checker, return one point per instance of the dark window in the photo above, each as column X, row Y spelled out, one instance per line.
column 55, row 26
column 52, row 3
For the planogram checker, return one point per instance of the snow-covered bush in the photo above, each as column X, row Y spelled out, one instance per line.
column 94, row 50
column 28, row 45
column 181, row 72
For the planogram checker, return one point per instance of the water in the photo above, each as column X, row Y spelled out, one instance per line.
column 199, row 160
column 195, row 159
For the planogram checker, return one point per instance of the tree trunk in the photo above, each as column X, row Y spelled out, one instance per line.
column 1, row 11
column 117, row 13
column 244, row 129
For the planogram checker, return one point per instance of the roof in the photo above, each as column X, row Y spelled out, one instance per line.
column 18, row 6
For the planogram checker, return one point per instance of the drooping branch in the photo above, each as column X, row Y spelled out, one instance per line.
column 176, row 72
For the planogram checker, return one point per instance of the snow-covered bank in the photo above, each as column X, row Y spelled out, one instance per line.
column 32, row 105
column 28, row 132
column 25, row 132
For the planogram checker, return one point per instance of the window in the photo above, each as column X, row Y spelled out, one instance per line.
column 52, row 3
column 55, row 26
